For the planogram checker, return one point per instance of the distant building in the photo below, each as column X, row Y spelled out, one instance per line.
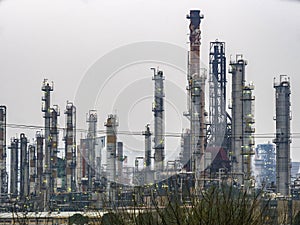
column 295, row 170
column 265, row 165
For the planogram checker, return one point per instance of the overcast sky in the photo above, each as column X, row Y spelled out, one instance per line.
column 62, row 39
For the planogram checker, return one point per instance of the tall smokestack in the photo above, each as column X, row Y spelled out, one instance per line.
column 196, row 91
column 111, row 141
column 283, row 135
column 159, row 121
column 3, row 172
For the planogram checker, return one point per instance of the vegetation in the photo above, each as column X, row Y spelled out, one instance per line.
column 226, row 206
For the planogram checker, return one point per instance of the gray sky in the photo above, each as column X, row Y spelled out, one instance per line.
column 61, row 39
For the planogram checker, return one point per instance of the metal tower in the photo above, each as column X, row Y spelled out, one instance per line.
column 248, row 146
column 186, row 159
column 120, row 159
column 3, row 172
column 14, row 159
column 47, row 88
column 238, row 82
column 242, row 123
column 217, row 94
column 32, row 169
column 70, row 147
column 111, row 142
column 147, row 134
column 24, row 167
column 40, row 161
column 159, row 121
column 147, row 158
column 196, row 92
column 91, row 136
column 54, row 113
column 283, row 135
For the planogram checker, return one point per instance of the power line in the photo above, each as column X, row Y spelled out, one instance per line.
column 294, row 135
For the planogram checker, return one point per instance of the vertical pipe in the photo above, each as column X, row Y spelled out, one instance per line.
column 14, row 159
column 70, row 147
column 283, row 135
column 24, row 167
column 47, row 88
column 32, row 169
column 159, row 121
column 3, row 172
column 238, row 82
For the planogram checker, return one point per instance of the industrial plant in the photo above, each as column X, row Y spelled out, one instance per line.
column 217, row 148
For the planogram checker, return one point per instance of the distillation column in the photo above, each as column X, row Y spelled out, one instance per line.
column 54, row 113
column 3, row 172
column 120, row 157
column 24, row 167
column 196, row 92
column 39, row 167
column 91, row 136
column 238, row 83
column 283, row 135
column 217, row 94
column 147, row 158
column 159, row 121
column 248, row 146
column 32, row 169
column 14, row 159
column 47, row 88
column 111, row 141
column 70, row 147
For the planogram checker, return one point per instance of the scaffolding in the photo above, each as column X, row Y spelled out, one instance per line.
column 217, row 95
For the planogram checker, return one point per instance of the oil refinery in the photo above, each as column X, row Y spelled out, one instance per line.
column 89, row 173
